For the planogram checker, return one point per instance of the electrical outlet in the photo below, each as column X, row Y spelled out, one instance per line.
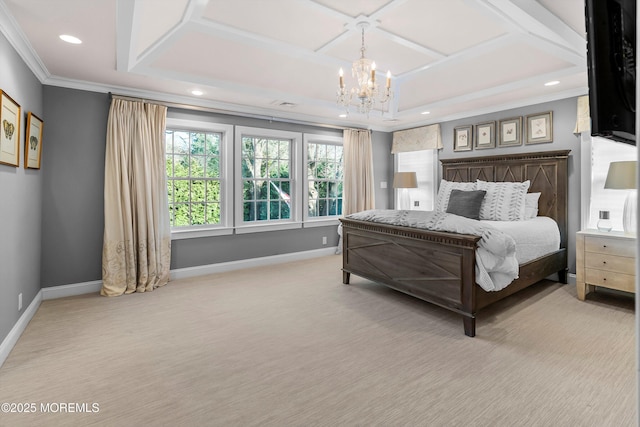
column 416, row 203
column 324, row 240
column 383, row 184
column 19, row 301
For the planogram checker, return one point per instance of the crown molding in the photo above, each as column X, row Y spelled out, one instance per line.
column 11, row 30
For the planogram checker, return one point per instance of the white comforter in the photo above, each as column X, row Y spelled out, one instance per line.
column 496, row 264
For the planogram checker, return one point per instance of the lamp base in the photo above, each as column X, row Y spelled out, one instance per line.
column 629, row 217
column 405, row 199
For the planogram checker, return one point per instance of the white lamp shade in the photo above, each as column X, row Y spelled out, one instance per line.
column 621, row 176
column 405, row 180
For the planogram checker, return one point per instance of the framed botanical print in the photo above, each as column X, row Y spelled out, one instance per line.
column 463, row 138
column 510, row 132
column 33, row 142
column 485, row 135
column 10, row 132
column 540, row 128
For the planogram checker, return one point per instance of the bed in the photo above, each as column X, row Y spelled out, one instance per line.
column 439, row 267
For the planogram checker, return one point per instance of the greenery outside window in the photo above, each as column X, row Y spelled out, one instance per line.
column 324, row 178
column 267, row 177
column 196, row 163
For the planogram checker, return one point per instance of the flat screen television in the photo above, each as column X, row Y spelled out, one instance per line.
column 611, row 63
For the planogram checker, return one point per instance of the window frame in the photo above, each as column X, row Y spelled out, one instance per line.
column 310, row 221
column 428, row 182
column 225, row 227
column 295, row 221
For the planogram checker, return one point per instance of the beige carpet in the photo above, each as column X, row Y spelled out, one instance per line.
column 290, row 345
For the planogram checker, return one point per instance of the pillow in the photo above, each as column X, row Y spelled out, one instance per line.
column 504, row 201
column 531, row 205
column 466, row 203
column 442, row 200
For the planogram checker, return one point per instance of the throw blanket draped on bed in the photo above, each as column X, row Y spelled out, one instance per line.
column 496, row 264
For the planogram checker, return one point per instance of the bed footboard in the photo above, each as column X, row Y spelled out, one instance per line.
column 433, row 266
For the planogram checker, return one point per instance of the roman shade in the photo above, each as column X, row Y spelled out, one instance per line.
column 416, row 139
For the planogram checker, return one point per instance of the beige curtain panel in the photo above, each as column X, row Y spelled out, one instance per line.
column 417, row 139
column 583, row 121
column 359, row 189
column 136, row 251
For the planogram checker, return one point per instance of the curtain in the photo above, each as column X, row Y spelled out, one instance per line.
column 583, row 119
column 417, row 139
column 136, row 250
column 359, row 189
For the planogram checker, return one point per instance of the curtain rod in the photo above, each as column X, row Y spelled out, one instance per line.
column 228, row 112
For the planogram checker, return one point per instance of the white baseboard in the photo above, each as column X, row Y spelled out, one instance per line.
column 12, row 338
column 201, row 270
column 62, row 291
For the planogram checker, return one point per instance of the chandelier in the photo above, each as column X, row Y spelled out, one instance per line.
column 366, row 91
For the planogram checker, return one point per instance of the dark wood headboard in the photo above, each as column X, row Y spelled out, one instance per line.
column 546, row 170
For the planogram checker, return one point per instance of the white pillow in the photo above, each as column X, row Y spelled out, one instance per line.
column 504, row 201
column 531, row 205
column 444, row 192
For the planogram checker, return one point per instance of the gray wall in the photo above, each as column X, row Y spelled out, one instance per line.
column 20, row 199
column 564, row 121
column 73, row 223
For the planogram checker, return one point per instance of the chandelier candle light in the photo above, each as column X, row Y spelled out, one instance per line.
column 364, row 71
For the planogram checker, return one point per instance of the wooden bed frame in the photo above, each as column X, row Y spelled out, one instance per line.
column 439, row 267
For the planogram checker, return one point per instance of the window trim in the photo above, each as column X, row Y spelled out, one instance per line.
column 242, row 227
column 323, row 139
column 226, row 185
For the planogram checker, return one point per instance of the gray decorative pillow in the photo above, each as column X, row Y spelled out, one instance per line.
column 442, row 200
column 504, row 201
column 466, row 203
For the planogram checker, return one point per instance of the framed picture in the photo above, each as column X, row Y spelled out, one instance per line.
column 510, row 132
column 485, row 136
column 33, row 142
column 540, row 128
column 10, row 133
column 463, row 138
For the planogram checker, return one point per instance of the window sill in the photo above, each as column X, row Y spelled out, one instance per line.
column 259, row 228
column 203, row 232
column 324, row 222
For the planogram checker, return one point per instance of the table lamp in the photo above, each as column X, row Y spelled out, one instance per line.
column 622, row 176
column 404, row 181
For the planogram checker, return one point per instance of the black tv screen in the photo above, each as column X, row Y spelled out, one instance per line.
column 611, row 61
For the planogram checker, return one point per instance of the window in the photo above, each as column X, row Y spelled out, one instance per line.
column 324, row 176
column 424, row 164
column 196, row 163
column 603, row 152
column 267, row 179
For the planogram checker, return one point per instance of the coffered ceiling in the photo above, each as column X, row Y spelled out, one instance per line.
column 280, row 58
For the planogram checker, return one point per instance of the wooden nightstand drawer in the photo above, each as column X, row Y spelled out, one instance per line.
column 605, row 259
column 608, row 262
column 603, row 245
column 609, row 279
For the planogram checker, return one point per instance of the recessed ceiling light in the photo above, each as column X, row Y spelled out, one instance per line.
column 552, row 83
column 197, row 92
column 70, row 39
column 426, row 112
column 343, row 115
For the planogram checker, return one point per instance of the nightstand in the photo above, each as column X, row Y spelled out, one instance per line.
column 605, row 259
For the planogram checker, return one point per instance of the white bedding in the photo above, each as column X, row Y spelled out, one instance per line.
column 534, row 237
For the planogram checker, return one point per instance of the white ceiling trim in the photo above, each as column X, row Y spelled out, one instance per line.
column 11, row 30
